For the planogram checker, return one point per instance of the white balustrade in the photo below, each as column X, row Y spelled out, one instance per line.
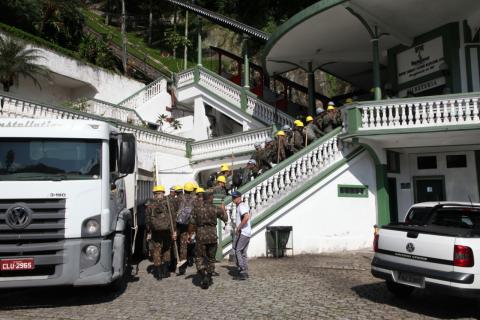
column 185, row 78
column 220, row 87
column 231, row 144
column 444, row 111
column 287, row 178
column 108, row 110
column 261, row 110
column 148, row 142
column 144, row 95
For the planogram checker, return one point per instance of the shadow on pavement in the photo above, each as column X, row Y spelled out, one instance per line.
column 232, row 271
column 30, row 298
column 425, row 302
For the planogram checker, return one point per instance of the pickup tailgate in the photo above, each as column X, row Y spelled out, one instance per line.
column 416, row 248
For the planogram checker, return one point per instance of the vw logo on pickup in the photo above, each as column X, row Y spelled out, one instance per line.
column 18, row 216
column 410, row 247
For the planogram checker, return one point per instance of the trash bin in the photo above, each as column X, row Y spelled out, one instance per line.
column 277, row 239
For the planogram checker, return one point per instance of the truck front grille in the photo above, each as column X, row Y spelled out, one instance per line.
column 42, row 237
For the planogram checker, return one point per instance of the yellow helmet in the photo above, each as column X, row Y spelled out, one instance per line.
column 309, row 118
column 224, row 167
column 195, row 184
column 178, row 188
column 330, row 108
column 221, row 179
column 298, row 123
column 200, row 190
column 189, row 187
column 158, row 188
column 280, row 133
column 349, row 100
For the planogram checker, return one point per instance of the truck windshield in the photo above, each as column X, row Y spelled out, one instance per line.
column 49, row 159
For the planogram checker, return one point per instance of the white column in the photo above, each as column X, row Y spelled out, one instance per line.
column 200, row 120
column 245, row 125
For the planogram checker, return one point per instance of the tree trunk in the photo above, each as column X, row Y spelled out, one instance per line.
column 150, row 23
column 107, row 13
column 185, row 49
column 124, row 39
column 175, row 32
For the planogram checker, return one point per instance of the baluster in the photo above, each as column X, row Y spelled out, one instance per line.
column 275, row 188
column 251, row 204
column 396, row 117
column 258, row 196
column 365, row 123
column 281, row 182
column 264, row 194
column 383, row 117
column 376, row 121
column 288, row 182
column 468, row 111
column 475, row 109
column 403, row 115
column 298, row 172
column 269, row 183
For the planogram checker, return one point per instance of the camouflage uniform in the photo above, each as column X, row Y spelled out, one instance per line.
column 280, row 146
column 158, row 221
column 219, row 193
column 295, row 142
column 261, row 158
column 204, row 218
column 331, row 120
column 311, row 132
column 186, row 200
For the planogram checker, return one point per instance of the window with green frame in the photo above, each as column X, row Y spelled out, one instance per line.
column 352, row 191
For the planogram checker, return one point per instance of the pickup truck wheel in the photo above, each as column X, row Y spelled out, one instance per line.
column 399, row 290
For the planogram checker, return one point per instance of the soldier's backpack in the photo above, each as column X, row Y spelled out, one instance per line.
column 185, row 210
column 159, row 219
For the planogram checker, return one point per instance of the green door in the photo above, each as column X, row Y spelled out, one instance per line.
column 429, row 189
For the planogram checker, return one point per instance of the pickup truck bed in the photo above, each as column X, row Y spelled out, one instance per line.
column 440, row 252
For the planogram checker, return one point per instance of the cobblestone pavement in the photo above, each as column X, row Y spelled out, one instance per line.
column 333, row 286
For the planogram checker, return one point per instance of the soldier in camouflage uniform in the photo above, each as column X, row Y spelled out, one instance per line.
column 185, row 204
column 332, row 119
column 296, row 142
column 204, row 221
column 159, row 225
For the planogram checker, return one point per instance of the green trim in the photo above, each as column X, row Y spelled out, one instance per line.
column 383, row 200
column 196, row 74
column 293, row 195
column 188, row 149
column 291, row 23
column 354, row 120
column 243, row 99
column 341, row 192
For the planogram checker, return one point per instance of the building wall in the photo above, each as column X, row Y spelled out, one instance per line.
column 324, row 222
column 460, row 183
column 97, row 82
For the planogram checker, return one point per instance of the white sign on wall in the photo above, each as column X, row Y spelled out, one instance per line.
column 420, row 60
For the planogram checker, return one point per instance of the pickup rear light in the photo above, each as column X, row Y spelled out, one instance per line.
column 462, row 256
column 376, row 236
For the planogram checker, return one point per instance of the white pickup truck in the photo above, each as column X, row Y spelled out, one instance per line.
column 434, row 247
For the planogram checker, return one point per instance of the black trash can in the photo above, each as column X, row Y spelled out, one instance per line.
column 277, row 239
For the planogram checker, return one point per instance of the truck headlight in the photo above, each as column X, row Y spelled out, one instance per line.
column 92, row 252
column 91, row 227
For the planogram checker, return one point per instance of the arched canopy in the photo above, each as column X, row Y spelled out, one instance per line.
column 335, row 35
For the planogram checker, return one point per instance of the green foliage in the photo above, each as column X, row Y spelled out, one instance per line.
column 174, row 123
column 59, row 21
column 174, row 39
column 16, row 61
column 96, row 51
column 77, row 105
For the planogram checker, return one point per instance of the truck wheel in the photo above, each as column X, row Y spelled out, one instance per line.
column 399, row 290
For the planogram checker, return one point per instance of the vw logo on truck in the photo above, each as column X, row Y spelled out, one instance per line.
column 18, row 216
column 410, row 247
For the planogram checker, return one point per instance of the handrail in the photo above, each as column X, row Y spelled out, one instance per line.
column 132, row 114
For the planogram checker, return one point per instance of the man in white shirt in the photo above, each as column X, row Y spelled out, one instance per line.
column 243, row 233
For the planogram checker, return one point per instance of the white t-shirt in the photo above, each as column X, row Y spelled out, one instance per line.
column 242, row 209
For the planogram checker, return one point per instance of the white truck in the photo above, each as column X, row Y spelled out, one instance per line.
column 67, row 202
column 434, row 248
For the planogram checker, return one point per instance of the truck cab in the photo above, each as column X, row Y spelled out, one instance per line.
column 67, row 202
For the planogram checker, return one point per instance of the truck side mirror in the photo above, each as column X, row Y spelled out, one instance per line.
column 127, row 153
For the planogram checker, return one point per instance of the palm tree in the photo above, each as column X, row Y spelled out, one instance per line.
column 16, row 60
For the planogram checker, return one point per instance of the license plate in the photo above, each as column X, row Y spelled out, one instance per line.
column 410, row 278
column 17, row 264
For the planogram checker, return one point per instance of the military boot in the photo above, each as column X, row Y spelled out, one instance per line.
column 204, row 283
column 156, row 272
column 166, row 270
column 182, row 269
column 209, row 277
